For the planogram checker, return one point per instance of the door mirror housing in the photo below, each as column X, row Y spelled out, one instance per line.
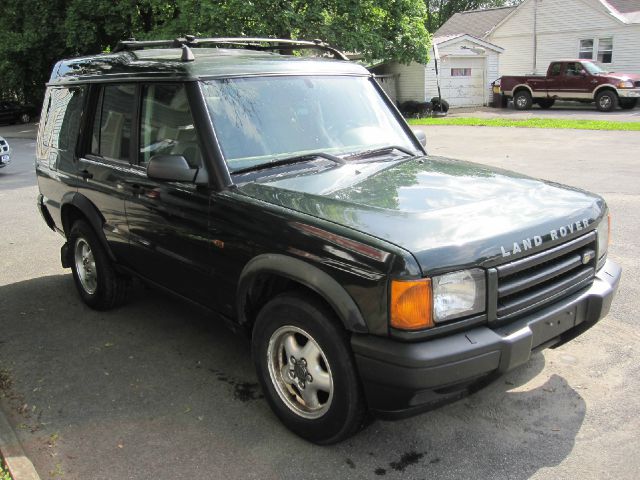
column 172, row 168
column 420, row 135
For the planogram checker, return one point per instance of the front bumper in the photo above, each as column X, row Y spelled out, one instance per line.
column 401, row 379
column 629, row 92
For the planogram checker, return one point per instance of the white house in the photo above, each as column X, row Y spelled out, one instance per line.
column 476, row 47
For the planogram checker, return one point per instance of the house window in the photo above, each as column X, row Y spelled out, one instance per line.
column 605, row 50
column 603, row 47
column 586, row 49
column 460, row 72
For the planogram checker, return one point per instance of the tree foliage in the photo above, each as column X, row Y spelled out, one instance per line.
column 36, row 33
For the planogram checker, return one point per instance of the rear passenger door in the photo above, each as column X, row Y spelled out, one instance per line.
column 168, row 221
column 105, row 168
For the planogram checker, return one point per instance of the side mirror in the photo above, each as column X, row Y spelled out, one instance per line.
column 583, row 73
column 173, row 168
column 420, row 135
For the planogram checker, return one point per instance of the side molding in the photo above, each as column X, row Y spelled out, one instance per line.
column 310, row 276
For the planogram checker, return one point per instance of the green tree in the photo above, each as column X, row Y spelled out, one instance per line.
column 36, row 33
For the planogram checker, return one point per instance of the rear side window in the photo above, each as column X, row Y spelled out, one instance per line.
column 166, row 124
column 113, row 121
column 62, row 119
column 555, row 69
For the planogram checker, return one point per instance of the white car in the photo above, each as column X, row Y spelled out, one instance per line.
column 5, row 153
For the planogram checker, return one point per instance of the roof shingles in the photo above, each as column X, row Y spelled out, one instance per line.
column 477, row 23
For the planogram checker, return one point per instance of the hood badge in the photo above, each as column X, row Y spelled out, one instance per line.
column 535, row 241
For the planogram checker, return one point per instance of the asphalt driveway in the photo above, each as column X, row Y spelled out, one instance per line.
column 157, row 390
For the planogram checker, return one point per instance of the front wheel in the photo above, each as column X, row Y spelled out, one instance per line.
column 606, row 101
column 522, row 100
column 98, row 284
column 628, row 103
column 306, row 369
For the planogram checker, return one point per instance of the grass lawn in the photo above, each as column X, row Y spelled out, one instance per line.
column 4, row 473
column 529, row 123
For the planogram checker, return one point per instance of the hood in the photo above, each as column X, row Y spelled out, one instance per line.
column 623, row 76
column 447, row 213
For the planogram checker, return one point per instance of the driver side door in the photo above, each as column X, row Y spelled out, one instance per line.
column 168, row 221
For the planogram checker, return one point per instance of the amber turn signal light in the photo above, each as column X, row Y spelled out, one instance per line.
column 411, row 304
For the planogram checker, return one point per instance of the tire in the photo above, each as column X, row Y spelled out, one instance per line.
column 98, row 284
column 522, row 100
column 628, row 103
column 25, row 118
column 546, row 103
column 296, row 341
column 606, row 101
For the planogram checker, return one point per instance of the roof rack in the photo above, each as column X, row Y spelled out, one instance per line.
column 251, row 43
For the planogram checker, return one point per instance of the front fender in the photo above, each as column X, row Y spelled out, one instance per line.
column 306, row 274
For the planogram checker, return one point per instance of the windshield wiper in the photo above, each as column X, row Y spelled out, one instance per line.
column 291, row 160
column 380, row 151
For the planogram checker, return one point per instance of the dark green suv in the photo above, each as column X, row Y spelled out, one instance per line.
column 285, row 193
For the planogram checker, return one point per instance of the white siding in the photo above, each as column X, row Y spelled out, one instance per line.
column 409, row 80
column 561, row 25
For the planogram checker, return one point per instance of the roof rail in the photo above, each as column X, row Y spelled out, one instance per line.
column 252, row 43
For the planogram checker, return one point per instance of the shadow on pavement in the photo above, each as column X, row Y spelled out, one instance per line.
column 156, row 389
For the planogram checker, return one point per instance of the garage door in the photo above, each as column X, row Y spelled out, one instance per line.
column 461, row 81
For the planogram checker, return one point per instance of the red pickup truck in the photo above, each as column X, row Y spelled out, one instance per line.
column 579, row 80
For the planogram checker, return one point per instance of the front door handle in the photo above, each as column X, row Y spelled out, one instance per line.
column 85, row 174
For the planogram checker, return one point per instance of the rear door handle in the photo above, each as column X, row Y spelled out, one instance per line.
column 85, row 174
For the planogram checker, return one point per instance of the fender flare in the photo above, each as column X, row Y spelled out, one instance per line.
column 522, row 85
column 603, row 86
column 306, row 274
column 91, row 214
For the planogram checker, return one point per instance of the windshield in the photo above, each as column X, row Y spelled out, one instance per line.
column 260, row 120
column 592, row 68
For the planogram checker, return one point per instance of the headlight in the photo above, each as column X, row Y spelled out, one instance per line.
column 603, row 236
column 625, row 84
column 459, row 294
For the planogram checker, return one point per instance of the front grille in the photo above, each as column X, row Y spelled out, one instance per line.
column 534, row 281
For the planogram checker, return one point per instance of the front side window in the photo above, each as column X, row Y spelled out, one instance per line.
column 605, row 50
column 262, row 119
column 166, row 124
column 586, row 49
column 574, row 69
column 112, row 123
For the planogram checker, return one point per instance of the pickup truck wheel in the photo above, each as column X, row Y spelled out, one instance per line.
column 522, row 100
column 98, row 284
column 305, row 366
column 546, row 103
column 606, row 101
column 628, row 103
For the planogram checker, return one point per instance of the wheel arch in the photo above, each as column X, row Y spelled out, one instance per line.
column 521, row 86
column 606, row 86
column 288, row 272
column 76, row 206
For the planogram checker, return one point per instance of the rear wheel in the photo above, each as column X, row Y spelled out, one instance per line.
column 98, row 284
column 522, row 100
column 606, row 101
column 628, row 103
column 306, row 369
column 546, row 103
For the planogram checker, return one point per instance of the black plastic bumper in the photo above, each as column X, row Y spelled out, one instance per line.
column 401, row 379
